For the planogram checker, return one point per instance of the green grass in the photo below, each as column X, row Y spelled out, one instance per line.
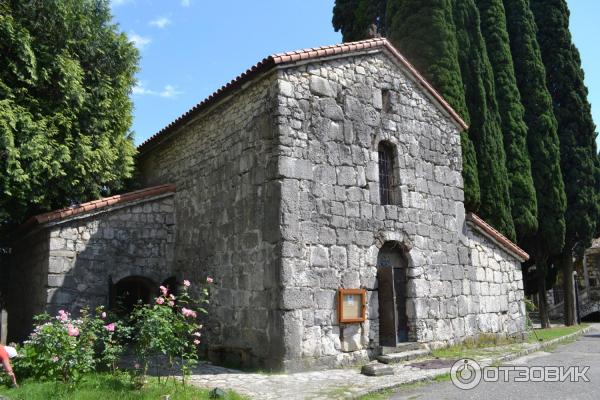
column 106, row 386
column 386, row 394
column 483, row 345
column 552, row 333
column 490, row 345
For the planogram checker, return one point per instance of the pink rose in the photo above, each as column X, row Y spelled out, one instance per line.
column 103, row 315
column 188, row 313
column 186, row 283
column 209, row 280
column 196, row 342
column 160, row 300
column 63, row 315
column 170, row 303
column 55, row 359
column 110, row 327
column 73, row 330
column 164, row 290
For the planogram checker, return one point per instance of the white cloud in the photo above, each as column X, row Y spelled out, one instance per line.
column 186, row 3
column 168, row 92
column 139, row 41
column 160, row 22
column 139, row 89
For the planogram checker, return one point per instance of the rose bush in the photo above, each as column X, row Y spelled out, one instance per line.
column 171, row 327
column 65, row 348
column 61, row 347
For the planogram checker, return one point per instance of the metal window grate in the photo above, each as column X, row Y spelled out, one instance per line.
column 386, row 176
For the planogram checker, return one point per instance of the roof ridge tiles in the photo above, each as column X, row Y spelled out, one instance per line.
column 57, row 215
column 276, row 59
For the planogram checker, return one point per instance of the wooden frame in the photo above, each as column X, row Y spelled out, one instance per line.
column 345, row 302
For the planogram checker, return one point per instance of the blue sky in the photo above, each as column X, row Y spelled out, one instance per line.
column 190, row 48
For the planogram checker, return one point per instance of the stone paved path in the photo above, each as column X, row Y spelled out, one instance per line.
column 336, row 383
column 328, row 384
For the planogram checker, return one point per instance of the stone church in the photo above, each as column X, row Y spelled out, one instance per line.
column 322, row 191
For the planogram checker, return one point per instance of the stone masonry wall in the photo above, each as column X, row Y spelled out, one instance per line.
column 227, row 202
column 332, row 116
column 497, row 288
column 70, row 265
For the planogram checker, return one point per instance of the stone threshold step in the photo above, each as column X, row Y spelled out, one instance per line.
column 401, row 347
column 403, row 356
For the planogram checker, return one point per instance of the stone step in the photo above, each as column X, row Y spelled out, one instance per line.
column 403, row 356
column 376, row 369
column 401, row 347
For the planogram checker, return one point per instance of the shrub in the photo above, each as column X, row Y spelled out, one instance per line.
column 63, row 348
column 170, row 327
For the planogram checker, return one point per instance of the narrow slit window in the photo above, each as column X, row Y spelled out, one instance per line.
column 386, row 100
column 387, row 179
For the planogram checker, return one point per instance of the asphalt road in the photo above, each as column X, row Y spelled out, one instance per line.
column 584, row 352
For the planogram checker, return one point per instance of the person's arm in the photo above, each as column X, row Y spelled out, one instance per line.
column 9, row 370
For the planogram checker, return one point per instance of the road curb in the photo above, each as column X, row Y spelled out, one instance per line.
column 485, row 362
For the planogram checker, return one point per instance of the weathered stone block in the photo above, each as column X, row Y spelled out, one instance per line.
column 321, row 87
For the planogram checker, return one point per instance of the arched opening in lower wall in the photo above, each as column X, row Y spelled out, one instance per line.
column 392, row 294
column 132, row 290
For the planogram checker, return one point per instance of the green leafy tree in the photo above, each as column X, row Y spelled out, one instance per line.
column 359, row 19
column 522, row 191
column 65, row 77
column 542, row 142
column 576, row 132
column 485, row 131
column 423, row 31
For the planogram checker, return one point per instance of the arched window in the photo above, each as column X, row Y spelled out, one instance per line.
column 388, row 182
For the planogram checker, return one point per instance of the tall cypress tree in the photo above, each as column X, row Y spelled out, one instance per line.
column 542, row 142
column 522, row 191
column 358, row 18
column 485, row 131
column 424, row 32
column 576, row 132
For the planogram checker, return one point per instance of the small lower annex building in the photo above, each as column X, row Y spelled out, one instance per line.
column 322, row 190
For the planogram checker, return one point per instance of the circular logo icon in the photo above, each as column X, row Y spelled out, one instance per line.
column 465, row 374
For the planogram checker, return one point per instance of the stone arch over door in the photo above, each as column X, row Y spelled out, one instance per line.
column 392, row 267
column 129, row 291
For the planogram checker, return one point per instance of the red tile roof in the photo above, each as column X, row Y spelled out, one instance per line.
column 63, row 213
column 274, row 60
column 499, row 238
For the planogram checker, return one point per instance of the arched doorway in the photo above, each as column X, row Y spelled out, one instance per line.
column 130, row 291
column 391, row 281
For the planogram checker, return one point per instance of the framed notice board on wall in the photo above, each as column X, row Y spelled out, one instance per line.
column 352, row 305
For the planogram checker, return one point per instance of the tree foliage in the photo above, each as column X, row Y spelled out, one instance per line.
column 543, row 145
column 522, row 191
column 542, row 137
column 424, row 32
column 359, row 19
column 485, row 131
column 65, row 76
column 576, row 132
column 576, row 129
